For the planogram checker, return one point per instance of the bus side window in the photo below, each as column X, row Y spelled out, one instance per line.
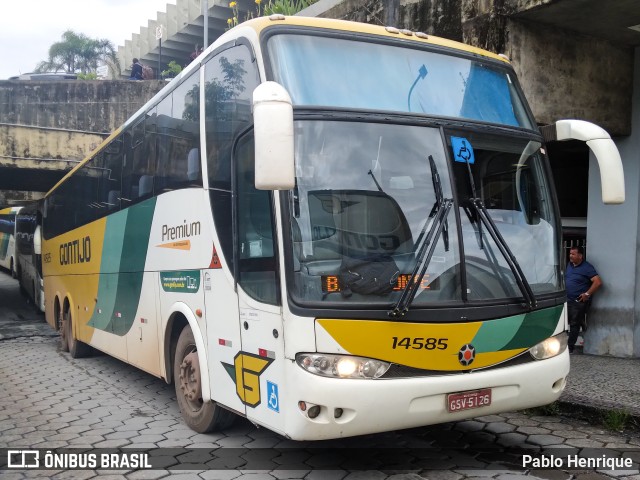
column 230, row 78
column 179, row 131
column 138, row 163
column 256, row 243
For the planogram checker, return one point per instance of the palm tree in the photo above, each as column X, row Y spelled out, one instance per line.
column 77, row 53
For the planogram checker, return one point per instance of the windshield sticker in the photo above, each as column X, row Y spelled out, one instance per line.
column 180, row 281
column 462, row 150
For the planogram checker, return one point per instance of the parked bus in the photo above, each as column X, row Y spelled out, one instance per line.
column 28, row 254
column 330, row 228
column 8, row 239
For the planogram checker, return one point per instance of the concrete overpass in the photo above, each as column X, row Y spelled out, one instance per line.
column 182, row 28
column 617, row 21
column 565, row 51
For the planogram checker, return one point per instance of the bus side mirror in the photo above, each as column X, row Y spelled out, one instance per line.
column 37, row 241
column 273, row 136
column 605, row 151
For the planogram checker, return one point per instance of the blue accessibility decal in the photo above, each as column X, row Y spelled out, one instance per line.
column 462, row 150
column 273, row 401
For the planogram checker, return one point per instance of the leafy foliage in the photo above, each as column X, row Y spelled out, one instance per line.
column 88, row 76
column 172, row 70
column 284, row 7
column 217, row 92
column 616, row 420
column 77, row 53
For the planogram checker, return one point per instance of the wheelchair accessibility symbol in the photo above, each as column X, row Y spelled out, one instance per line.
column 273, row 401
column 462, row 150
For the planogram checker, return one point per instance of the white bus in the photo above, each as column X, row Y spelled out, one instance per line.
column 28, row 254
column 330, row 228
column 8, row 238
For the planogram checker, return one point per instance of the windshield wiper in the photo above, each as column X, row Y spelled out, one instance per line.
column 497, row 237
column 439, row 226
column 483, row 217
column 422, row 261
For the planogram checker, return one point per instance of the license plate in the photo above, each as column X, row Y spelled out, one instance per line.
column 468, row 400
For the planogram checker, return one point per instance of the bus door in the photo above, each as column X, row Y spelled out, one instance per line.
column 261, row 385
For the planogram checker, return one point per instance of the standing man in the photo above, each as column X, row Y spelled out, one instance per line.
column 582, row 281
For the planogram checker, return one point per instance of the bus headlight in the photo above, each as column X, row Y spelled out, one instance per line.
column 341, row 366
column 550, row 347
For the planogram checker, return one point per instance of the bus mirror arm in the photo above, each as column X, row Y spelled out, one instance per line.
column 273, row 135
column 37, row 241
column 603, row 148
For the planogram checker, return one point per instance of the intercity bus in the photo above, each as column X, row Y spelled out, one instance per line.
column 329, row 228
column 28, row 254
column 8, row 238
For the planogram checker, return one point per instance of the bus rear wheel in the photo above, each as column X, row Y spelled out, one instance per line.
column 62, row 328
column 200, row 416
column 75, row 347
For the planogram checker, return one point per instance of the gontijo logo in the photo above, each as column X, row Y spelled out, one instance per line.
column 76, row 251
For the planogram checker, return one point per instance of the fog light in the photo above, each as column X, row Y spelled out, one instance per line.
column 314, row 411
column 337, row 413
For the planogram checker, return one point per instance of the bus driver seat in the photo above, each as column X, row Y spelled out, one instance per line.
column 145, row 185
column 193, row 164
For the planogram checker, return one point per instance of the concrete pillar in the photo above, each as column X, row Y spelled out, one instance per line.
column 170, row 19
column 613, row 233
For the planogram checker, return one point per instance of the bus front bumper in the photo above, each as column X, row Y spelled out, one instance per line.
column 349, row 407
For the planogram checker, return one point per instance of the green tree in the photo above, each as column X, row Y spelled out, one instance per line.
column 77, row 53
column 217, row 92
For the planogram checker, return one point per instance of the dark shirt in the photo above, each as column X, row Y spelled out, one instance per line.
column 578, row 279
column 136, row 71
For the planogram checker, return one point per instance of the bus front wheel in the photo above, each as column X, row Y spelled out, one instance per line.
column 199, row 415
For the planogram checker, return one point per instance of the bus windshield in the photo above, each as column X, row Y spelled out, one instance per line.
column 324, row 71
column 371, row 194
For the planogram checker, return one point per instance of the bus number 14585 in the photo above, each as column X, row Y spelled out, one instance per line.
column 419, row 343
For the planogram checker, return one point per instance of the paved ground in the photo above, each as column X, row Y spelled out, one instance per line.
column 50, row 401
column 604, row 382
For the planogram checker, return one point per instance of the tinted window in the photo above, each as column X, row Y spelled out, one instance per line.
column 178, row 130
column 256, row 245
column 139, row 164
column 230, row 78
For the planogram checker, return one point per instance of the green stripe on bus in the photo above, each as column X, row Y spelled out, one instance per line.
column 123, row 258
column 109, row 266
column 494, row 335
column 536, row 327
column 134, row 257
column 519, row 331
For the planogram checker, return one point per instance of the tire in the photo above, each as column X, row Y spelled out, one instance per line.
column 23, row 291
column 62, row 329
column 76, row 348
column 198, row 415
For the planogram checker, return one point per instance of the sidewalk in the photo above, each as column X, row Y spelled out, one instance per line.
column 604, row 382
